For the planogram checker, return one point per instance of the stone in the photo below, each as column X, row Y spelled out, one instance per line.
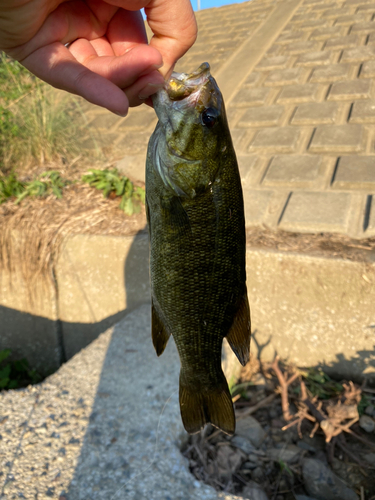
column 251, row 429
column 250, row 167
column 363, row 111
column 292, row 36
column 293, row 170
column 331, row 73
column 287, row 76
column 254, row 491
column 318, row 23
column 263, row 116
column 316, row 113
column 306, row 446
column 326, row 33
column 315, row 58
column 256, row 204
column 370, row 410
column 250, row 97
column 289, row 453
column 322, row 483
column 358, row 54
column 277, row 139
column 342, row 42
column 338, row 139
column 313, row 212
column 355, row 172
column 243, row 444
column 370, row 458
column 252, row 79
column 367, row 423
column 300, row 93
column 257, row 474
column 349, row 90
column 295, row 48
column 347, row 20
column 363, row 28
column 273, row 63
column 368, row 69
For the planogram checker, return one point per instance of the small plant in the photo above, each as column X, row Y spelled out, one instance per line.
column 10, row 186
column 363, row 404
column 115, row 185
column 14, row 374
column 320, row 384
column 43, row 185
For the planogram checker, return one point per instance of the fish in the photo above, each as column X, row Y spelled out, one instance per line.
column 196, row 224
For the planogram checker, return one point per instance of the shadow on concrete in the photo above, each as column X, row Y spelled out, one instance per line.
column 356, row 368
column 48, row 343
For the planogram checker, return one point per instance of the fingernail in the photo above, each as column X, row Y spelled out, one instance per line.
column 150, row 69
column 121, row 114
column 150, row 89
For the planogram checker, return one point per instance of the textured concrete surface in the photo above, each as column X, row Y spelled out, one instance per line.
column 106, row 426
column 297, row 78
column 313, row 311
column 100, row 278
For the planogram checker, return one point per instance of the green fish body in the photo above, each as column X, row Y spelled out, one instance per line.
column 197, row 244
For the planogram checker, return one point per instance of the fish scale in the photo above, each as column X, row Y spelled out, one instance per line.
column 197, row 244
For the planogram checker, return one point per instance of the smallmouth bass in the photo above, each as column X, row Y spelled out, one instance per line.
column 196, row 226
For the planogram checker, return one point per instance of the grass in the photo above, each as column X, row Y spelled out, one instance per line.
column 37, row 124
column 15, row 374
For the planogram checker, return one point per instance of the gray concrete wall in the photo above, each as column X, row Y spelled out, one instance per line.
column 310, row 310
column 313, row 311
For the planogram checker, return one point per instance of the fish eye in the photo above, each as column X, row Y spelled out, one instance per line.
column 209, row 117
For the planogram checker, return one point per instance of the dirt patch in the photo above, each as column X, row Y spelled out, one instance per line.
column 320, row 244
column 298, row 433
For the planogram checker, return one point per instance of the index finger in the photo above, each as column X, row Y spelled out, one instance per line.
column 175, row 29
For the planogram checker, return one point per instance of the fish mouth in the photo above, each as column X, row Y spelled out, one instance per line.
column 182, row 85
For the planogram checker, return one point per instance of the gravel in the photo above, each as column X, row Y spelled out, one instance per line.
column 89, row 431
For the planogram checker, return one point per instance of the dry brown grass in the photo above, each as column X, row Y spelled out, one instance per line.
column 31, row 234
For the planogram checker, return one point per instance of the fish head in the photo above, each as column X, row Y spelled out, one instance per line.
column 192, row 131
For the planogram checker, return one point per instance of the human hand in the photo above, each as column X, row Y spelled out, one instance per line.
column 108, row 61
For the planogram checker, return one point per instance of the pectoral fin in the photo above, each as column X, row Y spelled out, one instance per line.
column 240, row 332
column 160, row 336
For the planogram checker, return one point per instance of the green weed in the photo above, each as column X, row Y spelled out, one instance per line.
column 111, row 183
column 10, row 187
column 14, row 374
column 43, row 185
column 320, row 384
column 365, row 401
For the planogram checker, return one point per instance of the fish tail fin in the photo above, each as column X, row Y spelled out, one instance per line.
column 200, row 406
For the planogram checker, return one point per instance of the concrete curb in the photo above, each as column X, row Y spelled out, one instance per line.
column 310, row 309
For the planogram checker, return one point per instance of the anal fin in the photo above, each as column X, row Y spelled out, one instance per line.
column 160, row 336
column 240, row 332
